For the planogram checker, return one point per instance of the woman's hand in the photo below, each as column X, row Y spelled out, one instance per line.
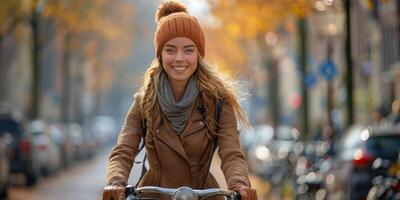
column 245, row 192
column 114, row 191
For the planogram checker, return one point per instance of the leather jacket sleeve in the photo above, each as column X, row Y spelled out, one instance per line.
column 121, row 159
column 233, row 163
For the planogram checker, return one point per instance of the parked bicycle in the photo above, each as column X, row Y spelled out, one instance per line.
column 386, row 186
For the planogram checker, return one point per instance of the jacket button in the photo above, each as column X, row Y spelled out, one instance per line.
column 200, row 123
column 158, row 130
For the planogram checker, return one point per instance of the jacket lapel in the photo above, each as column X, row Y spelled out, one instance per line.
column 195, row 117
column 170, row 138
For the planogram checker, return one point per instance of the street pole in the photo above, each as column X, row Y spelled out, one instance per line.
column 302, row 48
column 330, row 95
column 274, row 91
column 349, row 64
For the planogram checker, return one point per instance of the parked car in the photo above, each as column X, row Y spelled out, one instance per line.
column 351, row 172
column 5, row 151
column 104, row 129
column 48, row 153
column 75, row 133
column 60, row 135
column 23, row 158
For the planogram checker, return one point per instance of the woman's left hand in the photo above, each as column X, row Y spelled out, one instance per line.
column 245, row 192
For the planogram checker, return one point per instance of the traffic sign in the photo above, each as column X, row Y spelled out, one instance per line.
column 328, row 70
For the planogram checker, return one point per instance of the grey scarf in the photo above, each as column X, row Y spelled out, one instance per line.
column 177, row 113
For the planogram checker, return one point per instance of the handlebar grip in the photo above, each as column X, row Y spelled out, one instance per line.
column 130, row 192
column 236, row 196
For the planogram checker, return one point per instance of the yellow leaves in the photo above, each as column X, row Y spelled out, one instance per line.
column 11, row 12
column 223, row 50
column 256, row 16
column 301, row 8
column 99, row 30
column 93, row 20
column 243, row 21
column 233, row 29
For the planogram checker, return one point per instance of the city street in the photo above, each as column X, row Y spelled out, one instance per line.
column 83, row 181
column 314, row 87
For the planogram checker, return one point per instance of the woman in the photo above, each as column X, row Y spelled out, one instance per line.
column 177, row 107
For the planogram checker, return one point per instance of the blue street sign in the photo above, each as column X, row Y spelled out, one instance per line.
column 328, row 70
column 310, row 80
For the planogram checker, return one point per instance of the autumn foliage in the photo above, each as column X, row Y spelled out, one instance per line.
column 240, row 21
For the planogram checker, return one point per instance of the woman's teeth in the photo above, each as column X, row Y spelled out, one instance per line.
column 179, row 68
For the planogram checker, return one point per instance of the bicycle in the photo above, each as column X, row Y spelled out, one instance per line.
column 182, row 193
column 387, row 184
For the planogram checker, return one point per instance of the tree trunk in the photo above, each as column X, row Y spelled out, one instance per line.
column 66, row 80
column 36, row 68
column 349, row 64
column 3, row 75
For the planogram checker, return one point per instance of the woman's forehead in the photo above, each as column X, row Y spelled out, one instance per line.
column 180, row 41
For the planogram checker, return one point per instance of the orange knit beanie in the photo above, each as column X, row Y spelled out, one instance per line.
column 173, row 20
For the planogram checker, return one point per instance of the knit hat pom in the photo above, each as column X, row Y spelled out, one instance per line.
column 169, row 7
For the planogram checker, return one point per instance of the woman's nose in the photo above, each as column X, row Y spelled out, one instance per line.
column 179, row 56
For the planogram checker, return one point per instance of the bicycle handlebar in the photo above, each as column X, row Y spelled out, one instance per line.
column 182, row 193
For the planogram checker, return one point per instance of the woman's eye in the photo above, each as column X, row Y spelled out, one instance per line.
column 189, row 50
column 170, row 50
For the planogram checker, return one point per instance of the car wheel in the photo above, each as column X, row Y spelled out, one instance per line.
column 4, row 193
column 32, row 177
column 4, row 177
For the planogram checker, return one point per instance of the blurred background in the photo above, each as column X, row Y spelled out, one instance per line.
column 321, row 87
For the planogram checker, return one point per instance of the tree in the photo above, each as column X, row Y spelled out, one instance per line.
column 11, row 14
column 243, row 22
column 240, row 21
column 93, row 31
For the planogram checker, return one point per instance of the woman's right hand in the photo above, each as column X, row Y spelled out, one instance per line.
column 245, row 192
column 114, row 192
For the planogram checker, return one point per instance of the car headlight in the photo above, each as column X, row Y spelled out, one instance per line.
column 262, row 152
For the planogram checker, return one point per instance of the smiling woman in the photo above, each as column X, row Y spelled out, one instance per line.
column 174, row 114
column 179, row 60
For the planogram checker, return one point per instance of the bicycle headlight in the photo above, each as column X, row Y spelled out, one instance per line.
column 184, row 193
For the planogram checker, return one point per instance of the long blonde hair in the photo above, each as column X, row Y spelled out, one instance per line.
column 213, row 87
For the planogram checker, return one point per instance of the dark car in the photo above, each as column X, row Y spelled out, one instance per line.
column 351, row 172
column 23, row 157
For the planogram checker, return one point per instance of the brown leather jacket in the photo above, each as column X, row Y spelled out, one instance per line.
column 179, row 160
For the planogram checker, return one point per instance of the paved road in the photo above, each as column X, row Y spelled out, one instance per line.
column 83, row 181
